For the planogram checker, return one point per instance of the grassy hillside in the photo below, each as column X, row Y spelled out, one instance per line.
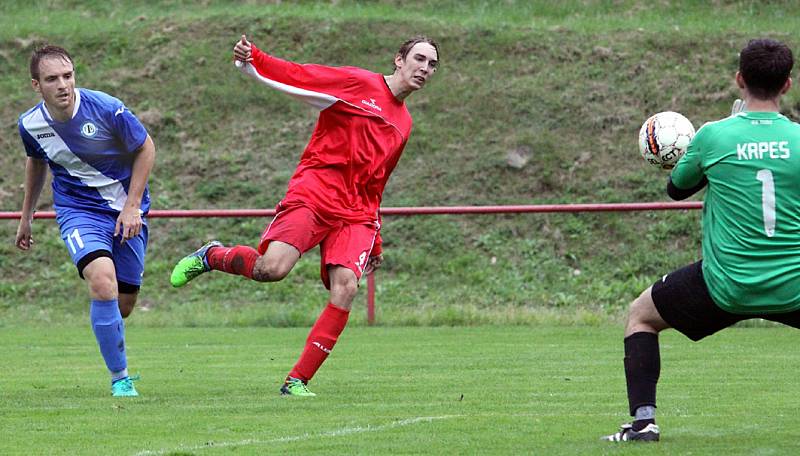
column 564, row 86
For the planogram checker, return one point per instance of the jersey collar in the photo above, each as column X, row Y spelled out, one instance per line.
column 762, row 114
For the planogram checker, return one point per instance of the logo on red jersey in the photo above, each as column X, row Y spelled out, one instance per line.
column 371, row 104
column 321, row 347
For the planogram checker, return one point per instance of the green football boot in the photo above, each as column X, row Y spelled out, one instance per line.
column 123, row 388
column 295, row 387
column 191, row 265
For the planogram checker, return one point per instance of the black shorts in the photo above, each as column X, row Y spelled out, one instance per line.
column 682, row 299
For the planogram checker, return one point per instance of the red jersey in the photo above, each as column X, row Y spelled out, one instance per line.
column 357, row 142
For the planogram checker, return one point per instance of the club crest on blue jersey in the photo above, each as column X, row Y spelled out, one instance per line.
column 88, row 129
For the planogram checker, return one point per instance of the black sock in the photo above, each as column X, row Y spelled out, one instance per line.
column 642, row 368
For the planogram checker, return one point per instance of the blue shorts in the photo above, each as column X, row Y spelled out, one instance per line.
column 86, row 233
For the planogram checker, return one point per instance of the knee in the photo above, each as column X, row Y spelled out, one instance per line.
column 636, row 310
column 103, row 287
column 633, row 321
column 344, row 289
column 266, row 270
column 643, row 316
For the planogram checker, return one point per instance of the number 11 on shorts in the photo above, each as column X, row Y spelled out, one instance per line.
column 78, row 241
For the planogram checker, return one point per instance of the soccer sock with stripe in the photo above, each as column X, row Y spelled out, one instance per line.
column 320, row 342
column 642, row 369
column 109, row 330
column 239, row 260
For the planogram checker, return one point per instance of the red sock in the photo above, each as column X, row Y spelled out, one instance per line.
column 239, row 260
column 320, row 342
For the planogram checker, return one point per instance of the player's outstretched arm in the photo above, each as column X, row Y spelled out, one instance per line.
column 317, row 85
column 129, row 222
column 35, row 176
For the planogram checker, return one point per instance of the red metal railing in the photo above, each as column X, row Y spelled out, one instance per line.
column 421, row 210
column 424, row 210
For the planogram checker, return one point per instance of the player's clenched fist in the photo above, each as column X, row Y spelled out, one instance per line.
column 242, row 50
column 24, row 239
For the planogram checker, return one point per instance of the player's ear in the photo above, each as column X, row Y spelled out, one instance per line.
column 398, row 61
column 740, row 80
column 35, row 85
column 787, row 85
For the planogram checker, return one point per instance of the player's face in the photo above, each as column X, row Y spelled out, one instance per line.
column 418, row 66
column 56, row 84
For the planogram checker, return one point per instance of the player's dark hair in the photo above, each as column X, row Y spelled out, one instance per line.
column 406, row 47
column 44, row 52
column 765, row 65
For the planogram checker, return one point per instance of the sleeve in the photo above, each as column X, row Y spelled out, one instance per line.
column 32, row 148
column 689, row 172
column 128, row 128
column 679, row 194
column 318, row 85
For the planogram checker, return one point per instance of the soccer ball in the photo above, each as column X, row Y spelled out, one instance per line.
column 664, row 137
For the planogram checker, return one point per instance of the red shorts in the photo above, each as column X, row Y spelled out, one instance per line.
column 341, row 244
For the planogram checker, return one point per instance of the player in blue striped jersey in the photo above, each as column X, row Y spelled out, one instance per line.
column 100, row 156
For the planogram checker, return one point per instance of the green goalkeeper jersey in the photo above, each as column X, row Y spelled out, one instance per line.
column 751, row 215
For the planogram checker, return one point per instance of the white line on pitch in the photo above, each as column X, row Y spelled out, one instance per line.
column 305, row 436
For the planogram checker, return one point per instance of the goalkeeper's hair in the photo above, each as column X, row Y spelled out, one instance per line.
column 47, row 51
column 765, row 65
column 405, row 48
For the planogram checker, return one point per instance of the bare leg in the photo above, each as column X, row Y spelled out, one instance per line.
column 276, row 263
column 127, row 301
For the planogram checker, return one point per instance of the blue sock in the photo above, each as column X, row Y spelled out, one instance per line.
column 110, row 334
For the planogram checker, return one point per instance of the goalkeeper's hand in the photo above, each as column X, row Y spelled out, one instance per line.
column 738, row 106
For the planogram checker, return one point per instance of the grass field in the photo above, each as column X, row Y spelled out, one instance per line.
column 479, row 390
